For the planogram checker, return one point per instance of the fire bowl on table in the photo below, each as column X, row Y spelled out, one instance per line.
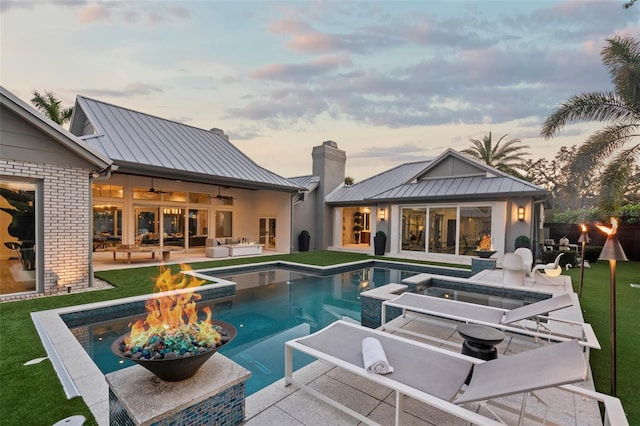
column 175, row 369
column 485, row 254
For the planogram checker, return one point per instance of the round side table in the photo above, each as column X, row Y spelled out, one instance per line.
column 480, row 341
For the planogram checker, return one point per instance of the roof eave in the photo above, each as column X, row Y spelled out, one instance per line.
column 144, row 170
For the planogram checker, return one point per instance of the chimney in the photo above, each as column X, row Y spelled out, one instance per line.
column 329, row 166
column 219, row 132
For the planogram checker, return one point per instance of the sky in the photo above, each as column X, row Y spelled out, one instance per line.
column 388, row 81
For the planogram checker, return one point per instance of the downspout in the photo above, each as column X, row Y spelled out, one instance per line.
column 536, row 230
column 291, row 222
column 96, row 175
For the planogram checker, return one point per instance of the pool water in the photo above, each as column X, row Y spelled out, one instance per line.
column 270, row 307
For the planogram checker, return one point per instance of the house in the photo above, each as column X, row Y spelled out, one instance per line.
column 120, row 178
column 123, row 178
column 45, row 187
column 437, row 209
column 177, row 185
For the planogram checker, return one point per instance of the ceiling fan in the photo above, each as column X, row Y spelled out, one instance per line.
column 223, row 197
column 152, row 190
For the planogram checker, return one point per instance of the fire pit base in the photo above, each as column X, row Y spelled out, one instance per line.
column 214, row 395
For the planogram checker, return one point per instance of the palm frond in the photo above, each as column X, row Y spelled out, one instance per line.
column 601, row 145
column 614, row 178
column 622, row 58
column 588, row 107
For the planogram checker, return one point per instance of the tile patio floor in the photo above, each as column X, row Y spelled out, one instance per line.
column 282, row 405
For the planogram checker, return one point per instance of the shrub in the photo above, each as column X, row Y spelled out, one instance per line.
column 569, row 257
column 592, row 253
column 380, row 234
column 304, row 232
column 523, row 241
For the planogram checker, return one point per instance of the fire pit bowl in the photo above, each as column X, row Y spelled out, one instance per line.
column 177, row 368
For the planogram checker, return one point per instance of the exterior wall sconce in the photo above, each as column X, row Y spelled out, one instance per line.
column 521, row 213
column 383, row 215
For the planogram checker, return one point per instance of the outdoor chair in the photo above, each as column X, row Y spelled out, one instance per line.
column 527, row 258
column 443, row 379
column 550, row 269
column 530, row 320
column 513, row 269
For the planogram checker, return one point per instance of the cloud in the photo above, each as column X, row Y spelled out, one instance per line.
column 281, row 107
column 301, row 72
column 387, row 151
column 130, row 13
column 129, row 90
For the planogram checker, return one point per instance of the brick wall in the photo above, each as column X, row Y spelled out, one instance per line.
column 66, row 208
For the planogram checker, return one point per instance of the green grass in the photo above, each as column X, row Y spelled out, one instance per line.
column 596, row 304
column 33, row 395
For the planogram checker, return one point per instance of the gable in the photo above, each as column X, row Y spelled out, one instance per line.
column 451, row 166
column 22, row 141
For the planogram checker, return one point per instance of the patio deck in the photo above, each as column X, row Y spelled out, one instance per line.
column 282, row 405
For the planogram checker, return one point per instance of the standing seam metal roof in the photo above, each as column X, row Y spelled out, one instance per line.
column 459, row 187
column 376, row 184
column 398, row 184
column 134, row 137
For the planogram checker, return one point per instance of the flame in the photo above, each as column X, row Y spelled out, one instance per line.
column 172, row 315
column 607, row 230
column 485, row 243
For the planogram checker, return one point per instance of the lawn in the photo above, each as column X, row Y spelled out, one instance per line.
column 33, row 395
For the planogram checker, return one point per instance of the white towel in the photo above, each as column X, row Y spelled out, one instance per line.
column 374, row 358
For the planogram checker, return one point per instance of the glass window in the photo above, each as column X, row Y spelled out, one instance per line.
column 107, row 191
column 413, row 222
column 442, row 230
column 474, row 223
column 224, row 224
column 198, row 227
column 198, row 198
column 176, row 196
column 267, row 231
column 107, row 226
column 173, row 227
column 145, row 194
column 147, row 222
column 17, row 235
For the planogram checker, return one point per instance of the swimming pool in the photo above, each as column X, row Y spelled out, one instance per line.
column 271, row 304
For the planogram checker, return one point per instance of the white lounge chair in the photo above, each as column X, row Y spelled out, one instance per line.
column 527, row 258
column 437, row 376
column 513, row 320
column 551, row 269
column 513, row 269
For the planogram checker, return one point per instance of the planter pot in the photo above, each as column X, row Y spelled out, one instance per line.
column 485, row 254
column 379, row 244
column 304, row 242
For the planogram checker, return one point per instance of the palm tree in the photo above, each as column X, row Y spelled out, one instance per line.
column 505, row 156
column 50, row 106
column 621, row 108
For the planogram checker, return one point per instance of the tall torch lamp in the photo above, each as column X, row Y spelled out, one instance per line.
column 584, row 239
column 612, row 251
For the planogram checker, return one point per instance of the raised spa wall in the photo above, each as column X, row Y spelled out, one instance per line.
column 371, row 300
